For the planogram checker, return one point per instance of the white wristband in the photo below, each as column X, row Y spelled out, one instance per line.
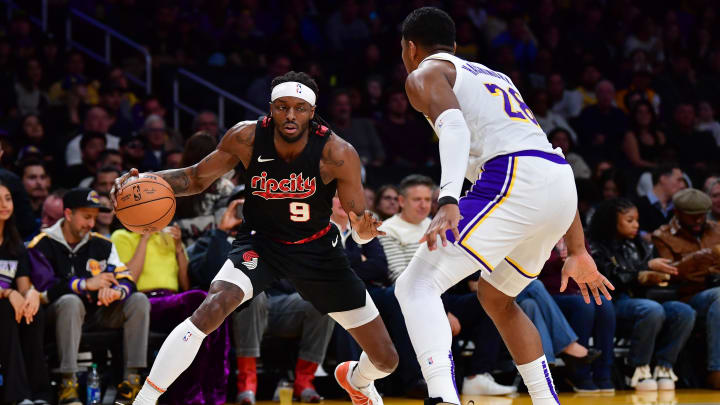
column 358, row 239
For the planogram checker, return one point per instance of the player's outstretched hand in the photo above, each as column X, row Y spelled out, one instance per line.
column 447, row 217
column 582, row 268
column 119, row 182
column 366, row 225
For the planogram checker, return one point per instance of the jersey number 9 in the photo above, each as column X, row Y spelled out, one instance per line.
column 299, row 212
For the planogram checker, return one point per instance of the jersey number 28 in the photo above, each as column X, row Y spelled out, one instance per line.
column 524, row 114
column 299, row 212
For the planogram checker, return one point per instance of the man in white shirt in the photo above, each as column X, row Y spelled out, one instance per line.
column 405, row 229
column 97, row 119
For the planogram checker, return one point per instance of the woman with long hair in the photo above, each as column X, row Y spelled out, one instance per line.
column 22, row 319
column 643, row 144
column 627, row 260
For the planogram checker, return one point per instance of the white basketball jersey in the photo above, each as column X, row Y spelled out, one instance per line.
column 499, row 120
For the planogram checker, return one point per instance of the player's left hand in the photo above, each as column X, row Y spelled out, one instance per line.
column 447, row 217
column 582, row 268
column 366, row 225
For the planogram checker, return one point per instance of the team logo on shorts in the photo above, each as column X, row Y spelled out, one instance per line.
column 250, row 259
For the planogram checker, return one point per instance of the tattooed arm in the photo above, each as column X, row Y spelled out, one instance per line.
column 235, row 147
column 341, row 162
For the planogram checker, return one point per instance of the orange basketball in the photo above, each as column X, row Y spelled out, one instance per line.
column 145, row 204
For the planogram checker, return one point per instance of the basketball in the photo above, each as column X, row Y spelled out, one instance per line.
column 145, row 204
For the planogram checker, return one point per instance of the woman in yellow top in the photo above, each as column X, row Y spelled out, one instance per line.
column 159, row 266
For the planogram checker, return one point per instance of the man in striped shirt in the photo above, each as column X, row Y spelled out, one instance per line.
column 405, row 229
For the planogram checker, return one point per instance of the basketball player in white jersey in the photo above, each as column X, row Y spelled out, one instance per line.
column 522, row 202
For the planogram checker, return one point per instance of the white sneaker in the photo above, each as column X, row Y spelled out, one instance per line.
column 484, row 384
column 359, row 396
column 665, row 377
column 643, row 380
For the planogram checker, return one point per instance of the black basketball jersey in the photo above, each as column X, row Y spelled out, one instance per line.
column 287, row 201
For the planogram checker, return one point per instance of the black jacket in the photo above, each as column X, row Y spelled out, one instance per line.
column 621, row 261
column 94, row 254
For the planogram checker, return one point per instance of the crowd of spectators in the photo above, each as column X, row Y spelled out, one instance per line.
column 627, row 90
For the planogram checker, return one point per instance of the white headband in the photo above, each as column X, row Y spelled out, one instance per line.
column 293, row 89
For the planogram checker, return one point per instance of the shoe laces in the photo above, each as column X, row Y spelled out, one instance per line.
column 665, row 372
column 641, row 373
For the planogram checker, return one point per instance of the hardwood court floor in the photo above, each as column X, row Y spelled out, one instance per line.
column 679, row 397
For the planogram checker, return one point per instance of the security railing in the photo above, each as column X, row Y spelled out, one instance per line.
column 109, row 33
column 41, row 21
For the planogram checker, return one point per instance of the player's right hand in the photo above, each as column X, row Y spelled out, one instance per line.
column 119, row 182
column 102, row 280
column 447, row 217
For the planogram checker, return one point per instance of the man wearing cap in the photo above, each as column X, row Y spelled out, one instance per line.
column 693, row 243
column 83, row 280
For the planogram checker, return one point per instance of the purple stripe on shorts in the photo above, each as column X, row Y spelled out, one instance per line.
column 535, row 153
column 452, row 372
column 519, row 271
column 549, row 382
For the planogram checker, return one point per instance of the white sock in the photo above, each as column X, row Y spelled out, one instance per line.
column 539, row 383
column 176, row 354
column 418, row 291
column 364, row 372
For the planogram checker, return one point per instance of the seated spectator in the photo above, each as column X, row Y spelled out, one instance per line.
column 692, row 243
column 258, row 92
column 561, row 138
column 159, row 264
column 404, row 230
column 395, row 128
column 564, row 102
column 601, row 125
column 586, row 320
column 627, row 261
column 639, row 90
column 111, row 97
column 132, row 150
column 91, row 146
column 468, row 319
column 713, row 190
column 656, row 208
column 281, row 312
column 31, row 98
column 369, row 196
column 74, row 71
column 108, row 159
column 21, row 202
column 519, row 39
column 88, row 278
column 370, row 264
column 386, row 201
column 172, row 159
column 105, row 179
column 104, row 219
column 643, row 144
column 558, row 337
column 706, row 121
column 207, row 121
column 346, row 28
column 117, row 77
column 97, row 119
column 36, row 181
column 587, row 89
column 52, row 209
column 151, row 105
column 359, row 132
column 696, row 151
column 548, row 119
column 22, row 319
column 158, row 139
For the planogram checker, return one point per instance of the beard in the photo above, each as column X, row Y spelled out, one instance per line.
column 292, row 138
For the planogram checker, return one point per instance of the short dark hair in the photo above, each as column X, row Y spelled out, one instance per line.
column 663, row 170
column 603, row 225
column 415, row 180
column 108, row 169
column 89, row 136
column 25, row 163
column 428, row 26
column 300, row 77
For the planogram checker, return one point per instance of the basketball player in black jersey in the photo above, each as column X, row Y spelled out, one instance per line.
column 293, row 167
